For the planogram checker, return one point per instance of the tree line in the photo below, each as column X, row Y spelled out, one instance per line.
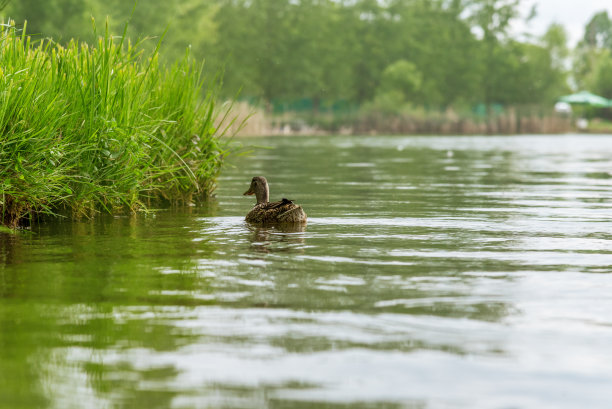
column 433, row 54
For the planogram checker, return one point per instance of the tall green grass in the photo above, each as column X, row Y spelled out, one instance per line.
column 102, row 127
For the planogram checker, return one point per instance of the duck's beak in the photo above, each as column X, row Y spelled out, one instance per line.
column 249, row 192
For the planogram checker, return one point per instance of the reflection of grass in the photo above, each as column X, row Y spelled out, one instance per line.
column 109, row 284
column 100, row 127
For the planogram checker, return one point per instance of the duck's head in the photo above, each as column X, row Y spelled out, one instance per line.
column 259, row 188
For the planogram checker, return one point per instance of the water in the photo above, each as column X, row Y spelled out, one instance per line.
column 434, row 272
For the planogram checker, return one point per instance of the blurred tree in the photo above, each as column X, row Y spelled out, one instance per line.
column 318, row 58
column 555, row 55
column 254, row 42
column 281, row 49
column 435, row 53
column 373, row 34
column 600, row 81
column 585, row 60
column 598, row 31
column 492, row 18
column 186, row 23
column 66, row 19
column 57, row 19
column 401, row 76
column 555, row 42
column 537, row 79
column 592, row 53
column 442, row 47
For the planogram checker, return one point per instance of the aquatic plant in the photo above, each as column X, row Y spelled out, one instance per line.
column 103, row 127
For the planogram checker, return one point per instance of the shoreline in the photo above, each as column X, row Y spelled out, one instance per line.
column 513, row 122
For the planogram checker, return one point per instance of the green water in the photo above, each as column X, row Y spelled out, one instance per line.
column 434, row 272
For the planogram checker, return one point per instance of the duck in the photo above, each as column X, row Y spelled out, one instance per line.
column 266, row 212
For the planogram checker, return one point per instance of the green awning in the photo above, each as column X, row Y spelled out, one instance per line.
column 586, row 98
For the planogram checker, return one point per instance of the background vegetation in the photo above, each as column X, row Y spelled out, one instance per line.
column 342, row 54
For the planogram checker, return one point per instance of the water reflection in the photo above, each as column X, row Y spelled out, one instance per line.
column 417, row 268
column 10, row 249
column 277, row 238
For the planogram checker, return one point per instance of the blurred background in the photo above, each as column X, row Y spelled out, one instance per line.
column 350, row 64
column 435, row 272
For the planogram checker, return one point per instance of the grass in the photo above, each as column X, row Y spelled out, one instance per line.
column 599, row 125
column 103, row 127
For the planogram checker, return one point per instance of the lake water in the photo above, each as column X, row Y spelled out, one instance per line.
column 434, row 272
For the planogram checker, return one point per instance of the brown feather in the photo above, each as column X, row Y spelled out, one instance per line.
column 264, row 212
column 274, row 212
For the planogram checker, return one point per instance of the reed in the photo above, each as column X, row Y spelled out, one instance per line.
column 511, row 122
column 102, row 127
column 368, row 121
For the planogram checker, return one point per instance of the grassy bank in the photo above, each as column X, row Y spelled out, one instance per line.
column 102, row 127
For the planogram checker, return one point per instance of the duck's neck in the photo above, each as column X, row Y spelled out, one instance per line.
column 263, row 195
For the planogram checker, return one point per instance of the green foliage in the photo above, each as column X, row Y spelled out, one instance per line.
column 339, row 50
column 598, row 31
column 601, row 79
column 398, row 89
column 593, row 61
column 402, row 76
column 387, row 102
column 57, row 19
column 555, row 42
column 280, row 49
column 103, row 126
column 188, row 22
column 493, row 17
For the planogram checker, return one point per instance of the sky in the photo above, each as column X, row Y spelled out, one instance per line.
column 573, row 14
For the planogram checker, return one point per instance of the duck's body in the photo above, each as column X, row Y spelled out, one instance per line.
column 283, row 211
column 265, row 212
